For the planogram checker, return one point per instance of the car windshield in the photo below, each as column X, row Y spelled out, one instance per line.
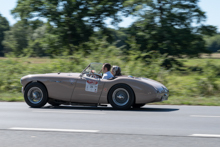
column 96, row 67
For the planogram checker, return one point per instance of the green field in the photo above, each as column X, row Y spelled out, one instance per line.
column 197, row 83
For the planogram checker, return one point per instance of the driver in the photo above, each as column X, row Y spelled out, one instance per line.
column 106, row 70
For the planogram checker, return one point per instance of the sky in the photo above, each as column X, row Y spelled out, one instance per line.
column 211, row 7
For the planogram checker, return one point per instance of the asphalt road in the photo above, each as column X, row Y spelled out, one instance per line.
column 152, row 125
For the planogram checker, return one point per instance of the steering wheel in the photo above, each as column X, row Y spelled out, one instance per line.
column 95, row 75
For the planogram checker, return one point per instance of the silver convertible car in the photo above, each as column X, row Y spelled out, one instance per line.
column 88, row 88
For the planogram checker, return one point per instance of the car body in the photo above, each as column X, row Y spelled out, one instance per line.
column 89, row 88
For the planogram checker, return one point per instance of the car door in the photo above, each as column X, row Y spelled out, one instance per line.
column 87, row 90
column 61, row 88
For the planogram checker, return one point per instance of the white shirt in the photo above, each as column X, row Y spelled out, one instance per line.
column 107, row 75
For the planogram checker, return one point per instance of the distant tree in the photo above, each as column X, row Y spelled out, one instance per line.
column 4, row 26
column 35, row 47
column 16, row 39
column 75, row 20
column 118, row 36
column 172, row 27
column 34, row 24
column 44, row 42
column 213, row 43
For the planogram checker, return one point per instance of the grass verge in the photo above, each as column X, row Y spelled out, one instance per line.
column 201, row 101
column 11, row 97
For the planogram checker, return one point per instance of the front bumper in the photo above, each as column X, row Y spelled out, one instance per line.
column 163, row 95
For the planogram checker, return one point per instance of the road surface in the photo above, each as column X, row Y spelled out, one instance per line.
column 152, row 125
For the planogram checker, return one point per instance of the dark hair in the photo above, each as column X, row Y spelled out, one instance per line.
column 108, row 66
column 116, row 70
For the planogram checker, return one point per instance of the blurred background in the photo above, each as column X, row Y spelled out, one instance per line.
column 175, row 42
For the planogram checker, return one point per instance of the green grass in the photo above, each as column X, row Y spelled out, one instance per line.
column 200, row 62
column 182, row 100
column 11, row 97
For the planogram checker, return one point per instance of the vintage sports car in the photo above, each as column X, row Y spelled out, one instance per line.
column 87, row 88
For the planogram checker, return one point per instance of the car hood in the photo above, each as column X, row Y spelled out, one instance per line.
column 157, row 85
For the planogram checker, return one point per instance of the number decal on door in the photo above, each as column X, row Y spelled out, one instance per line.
column 91, row 86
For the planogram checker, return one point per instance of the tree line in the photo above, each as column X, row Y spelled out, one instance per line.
column 173, row 28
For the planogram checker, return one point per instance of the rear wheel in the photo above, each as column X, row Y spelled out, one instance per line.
column 35, row 95
column 121, row 96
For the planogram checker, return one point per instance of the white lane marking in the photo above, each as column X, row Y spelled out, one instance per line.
column 53, row 130
column 205, row 135
column 203, row 116
column 76, row 112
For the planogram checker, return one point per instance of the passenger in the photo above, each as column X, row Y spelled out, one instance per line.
column 106, row 70
column 116, row 70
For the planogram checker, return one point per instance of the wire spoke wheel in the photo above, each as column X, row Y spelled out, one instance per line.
column 120, row 97
column 35, row 95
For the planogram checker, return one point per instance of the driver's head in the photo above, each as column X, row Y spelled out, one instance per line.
column 106, row 67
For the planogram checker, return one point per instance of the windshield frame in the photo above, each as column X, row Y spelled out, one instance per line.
column 98, row 73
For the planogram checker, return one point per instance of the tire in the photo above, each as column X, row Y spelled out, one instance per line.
column 138, row 105
column 53, row 103
column 35, row 95
column 121, row 97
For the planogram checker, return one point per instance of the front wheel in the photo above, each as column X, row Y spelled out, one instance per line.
column 35, row 95
column 121, row 96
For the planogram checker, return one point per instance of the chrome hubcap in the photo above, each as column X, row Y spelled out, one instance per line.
column 120, row 97
column 35, row 95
